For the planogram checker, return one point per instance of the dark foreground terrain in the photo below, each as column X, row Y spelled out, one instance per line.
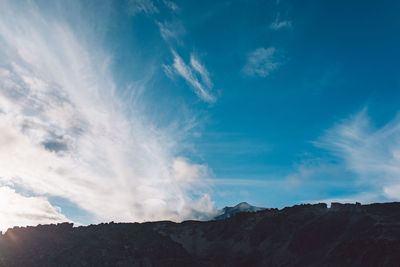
column 305, row 235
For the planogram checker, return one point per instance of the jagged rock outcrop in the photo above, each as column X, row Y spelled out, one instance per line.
column 303, row 235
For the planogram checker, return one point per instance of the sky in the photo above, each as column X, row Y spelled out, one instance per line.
column 141, row 110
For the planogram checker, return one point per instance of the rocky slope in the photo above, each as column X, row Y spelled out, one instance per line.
column 305, row 235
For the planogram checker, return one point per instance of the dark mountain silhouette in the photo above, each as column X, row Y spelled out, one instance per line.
column 302, row 235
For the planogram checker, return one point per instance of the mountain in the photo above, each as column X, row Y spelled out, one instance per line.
column 302, row 235
column 241, row 207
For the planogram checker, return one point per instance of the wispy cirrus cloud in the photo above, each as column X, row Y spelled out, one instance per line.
column 201, row 69
column 373, row 154
column 171, row 5
column 195, row 74
column 262, row 62
column 171, row 30
column 64, row 132
column 280, row 24
column 142, row 6
column 366, row 161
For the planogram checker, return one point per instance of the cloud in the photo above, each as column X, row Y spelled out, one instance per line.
column 16, row 209
column 277, row 24
column 373, row 154
column 168, row 70
column 262, row 62
column 171, row 5
column 196, row 75
column 171, row 30
column 281, row 20
column 139, row 6
column 64, row 132
column 362, row 164
column 201, row 69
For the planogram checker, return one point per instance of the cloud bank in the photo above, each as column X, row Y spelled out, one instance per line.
column 65, row 133
column 16, row 209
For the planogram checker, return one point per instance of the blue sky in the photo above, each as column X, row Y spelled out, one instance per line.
column 156, row 109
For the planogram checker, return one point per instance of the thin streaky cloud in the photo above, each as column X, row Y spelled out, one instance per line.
column 168, row 70
column 171, row 30
column 201, row 69
column 373, row 154
column 189, row 74
column 171, row 5
column 142, row 6
column 196, row 74
column 245, row 182
column 262, row 62
column 276, row 25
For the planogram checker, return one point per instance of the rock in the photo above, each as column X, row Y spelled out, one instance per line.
column 302, row 235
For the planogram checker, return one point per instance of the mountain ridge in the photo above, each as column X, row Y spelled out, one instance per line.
column 301, row 235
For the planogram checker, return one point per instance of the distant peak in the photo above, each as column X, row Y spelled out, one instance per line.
column 241, row 207
column 243, row 204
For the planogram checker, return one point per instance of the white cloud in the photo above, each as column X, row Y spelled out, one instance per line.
column 145, row 6
column 168, row 70
column 373, row 154
column 171, row 5
column 262, row 62
column 280, row 24
column 19, row 210
column 201, row 69
column 65, row 133
column 171, row 30
column 281, row 21
column 190, row 173
column 196, row 75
